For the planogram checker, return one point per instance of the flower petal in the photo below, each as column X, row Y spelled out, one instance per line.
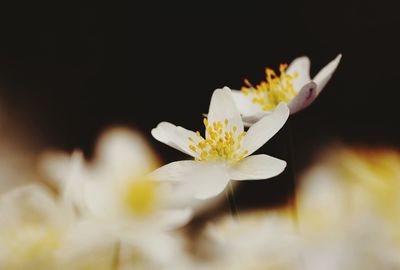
column 244, row 104
column 322, row 78
column 257, row 167
column 259, row 133
column 222, row 107
column 125, row 151
column 248, row 121
column 301, row 66
column 304, row 97
column 27, row 203
column 203, row 179
column 175, row 136
column 174, row 218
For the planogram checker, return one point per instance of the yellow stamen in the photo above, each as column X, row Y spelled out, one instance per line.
column 275, row 89
column 222, row 142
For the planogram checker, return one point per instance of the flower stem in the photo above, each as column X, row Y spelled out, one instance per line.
column 115, row 261
column 232, row 203
column 293, row 201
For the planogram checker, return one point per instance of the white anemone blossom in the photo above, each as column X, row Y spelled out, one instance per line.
column 224, row 153
column 116, row 194
column 37, row 231
column 31, row 228
column 261, row 240
column 339, row 227
column 293, row 86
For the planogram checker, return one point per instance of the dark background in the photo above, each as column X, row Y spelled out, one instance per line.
column 70, row 71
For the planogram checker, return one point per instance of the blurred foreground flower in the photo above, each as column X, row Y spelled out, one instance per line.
column 261, row 240
column 223, row 154
column 116, row 194
column 37, row 231
column 348, row 209
column 293, row 86
column 31, row 229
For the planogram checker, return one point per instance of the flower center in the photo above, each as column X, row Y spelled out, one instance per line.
column 141, row 196
column 221, row 143
column 275, row 89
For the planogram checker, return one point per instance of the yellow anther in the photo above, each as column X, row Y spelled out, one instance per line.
column 275, row 89
column 205, row 122
column 222, row 142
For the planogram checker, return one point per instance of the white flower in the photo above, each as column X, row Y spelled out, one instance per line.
column 116, row 185
column 346, row 208
column 32, row 228
column 115, row 194
column 224, row 153
column 260, row 240
column 293, row 86
column 38, row 231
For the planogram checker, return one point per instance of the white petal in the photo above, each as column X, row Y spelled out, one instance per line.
column 248, row 121
column 157, row 247
column 171, row 219
column 301, row 66
column 203, row 179
column 259, row 133
column 125, row 151
column 26, row 203
column 174, row 136
column 257, row 167
column 222, row 106
column 304, row 98
column 322, row 78
column 56, row 165
column 244, row 104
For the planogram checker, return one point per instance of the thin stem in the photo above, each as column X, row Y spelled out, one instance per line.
column 115, row 261
column 232, row 203
column 293, row 200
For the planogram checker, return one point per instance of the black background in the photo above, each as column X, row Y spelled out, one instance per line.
column 70, row 71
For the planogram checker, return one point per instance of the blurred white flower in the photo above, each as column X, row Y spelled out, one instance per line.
column 117, row 184
column 261, row 240
column 32, row 227
column 37, row 231
column 340, row 215
column 223, row 154
column 292, row 86
column 116, row 194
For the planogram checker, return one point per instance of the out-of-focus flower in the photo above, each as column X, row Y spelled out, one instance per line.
column 260, row 240
column 223, row 154
column 355, row 181
column 374, row 175
column 37, row 231
column 344, row 218
column 116, row 194
column 117, row 186
column 32, row 228
column 293, row 86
